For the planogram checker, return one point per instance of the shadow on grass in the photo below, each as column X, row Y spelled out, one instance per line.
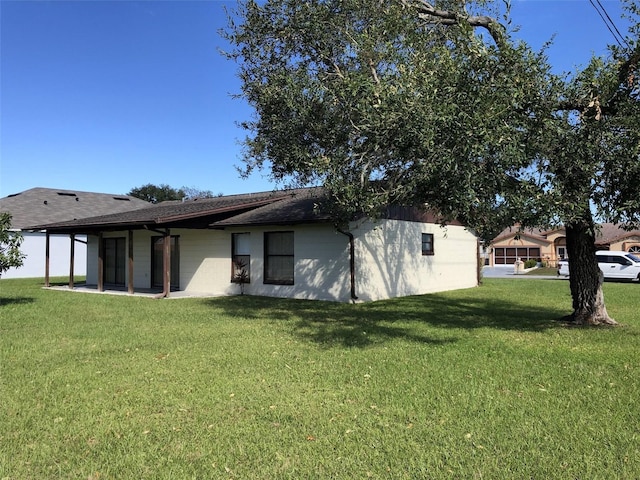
column 63, row 283
column 328, row 323
column 4, row 301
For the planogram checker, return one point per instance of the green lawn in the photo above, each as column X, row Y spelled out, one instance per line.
column 479, row 383
column 546, row 271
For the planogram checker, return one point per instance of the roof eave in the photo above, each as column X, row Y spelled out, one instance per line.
column 216, row 211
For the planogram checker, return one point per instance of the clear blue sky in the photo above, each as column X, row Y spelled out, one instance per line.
column 105, row 96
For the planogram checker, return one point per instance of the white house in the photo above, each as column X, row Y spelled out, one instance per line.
column 38, row 206
column 279, row 245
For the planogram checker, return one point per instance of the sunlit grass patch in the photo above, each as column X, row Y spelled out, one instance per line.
column 478, row 383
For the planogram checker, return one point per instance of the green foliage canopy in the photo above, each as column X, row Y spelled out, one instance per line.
column 397, row 102
column 381, row 105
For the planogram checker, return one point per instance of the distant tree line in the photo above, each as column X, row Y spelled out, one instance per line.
column 162, row 193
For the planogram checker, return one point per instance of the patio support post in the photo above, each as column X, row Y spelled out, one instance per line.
column 167, row 263
column 46, row 259
column 130, row 279
column 72, row 257
column 100, row 263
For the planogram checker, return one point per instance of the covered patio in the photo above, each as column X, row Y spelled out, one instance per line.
column 158, row 220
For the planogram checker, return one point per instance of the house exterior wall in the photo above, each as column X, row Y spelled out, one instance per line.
column 92, row 260
column 141, row 257
column 388, row 260
column 320, row 253
column 204, row 256
column 626, row 243
column 34, row 247
column 205, row 261
column 547, row 247
column 321, row 257
column 556, row 234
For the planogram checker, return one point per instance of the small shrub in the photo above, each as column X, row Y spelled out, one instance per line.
column 530, row 263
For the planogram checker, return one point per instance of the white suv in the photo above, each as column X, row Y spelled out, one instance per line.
column 613, row 264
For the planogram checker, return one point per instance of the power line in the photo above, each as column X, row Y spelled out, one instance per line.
column 611, row 26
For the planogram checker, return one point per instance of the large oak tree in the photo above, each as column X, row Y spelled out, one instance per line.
column 403, row 101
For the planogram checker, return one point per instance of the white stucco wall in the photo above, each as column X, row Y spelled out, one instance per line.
column 321, row 258
column 389, row 260
column 92, row 260
column 388, row 256
column 205, row 261
column 34, row 247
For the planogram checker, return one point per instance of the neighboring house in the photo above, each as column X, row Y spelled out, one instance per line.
column 282, row 246
column 549, row 246
column 38, row 206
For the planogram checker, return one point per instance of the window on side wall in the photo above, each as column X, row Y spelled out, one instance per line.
column 427, row 244
column 240, row 257
column 278, row 258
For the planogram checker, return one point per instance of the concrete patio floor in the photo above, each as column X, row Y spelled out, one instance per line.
column 139, row 292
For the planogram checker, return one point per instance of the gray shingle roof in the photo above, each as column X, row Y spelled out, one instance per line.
column 196, row 213
column 298, row 207
column 38, row 206
column 610, row 233
column 284, row 207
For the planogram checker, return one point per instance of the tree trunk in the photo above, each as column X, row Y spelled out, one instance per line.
column 585, row 277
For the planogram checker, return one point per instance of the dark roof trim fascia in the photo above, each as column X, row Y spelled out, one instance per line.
column 146, row 223
column 90, row 228
column 222, row 226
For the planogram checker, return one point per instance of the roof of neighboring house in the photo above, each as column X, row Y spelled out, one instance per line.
column 511, row 232
column 610, row 233
column 607, row 233
column 38, row 206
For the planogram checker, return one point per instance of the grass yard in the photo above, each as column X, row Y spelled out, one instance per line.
column 543, row 271
column 478, row 383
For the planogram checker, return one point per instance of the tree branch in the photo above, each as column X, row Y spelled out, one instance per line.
column 628, row 70
column 430, row 14
column 594, row 106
